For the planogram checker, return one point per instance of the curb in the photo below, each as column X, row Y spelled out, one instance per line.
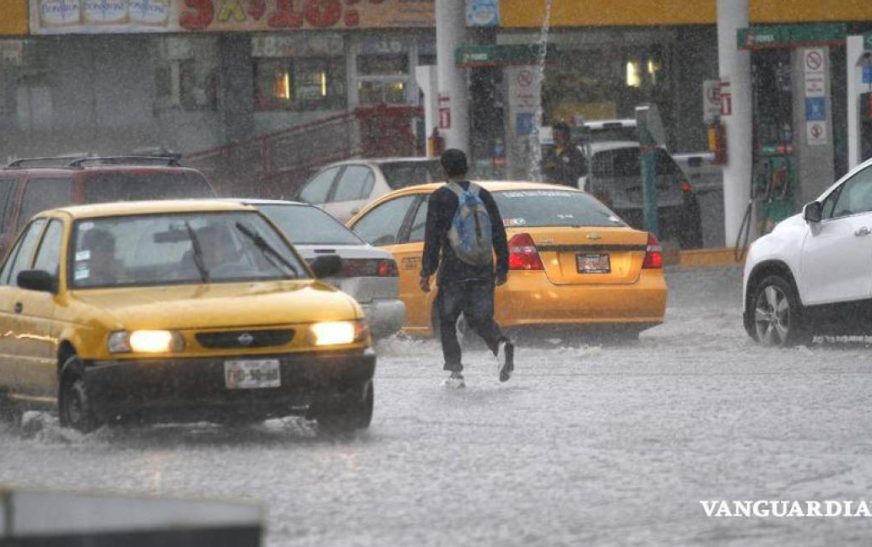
column 702, row 258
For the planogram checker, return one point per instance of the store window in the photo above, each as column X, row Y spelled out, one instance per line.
column 383, row 71
column 605, row 83
column 299, row 72
column 309, row 83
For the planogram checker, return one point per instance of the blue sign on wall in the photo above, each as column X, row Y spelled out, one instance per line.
column 867, row 74
column 524, row 124
column 815, row 109
column 483, row 13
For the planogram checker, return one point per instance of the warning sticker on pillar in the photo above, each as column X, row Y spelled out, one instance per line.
column 726, row 99
column 444, row 112
column 816, row 133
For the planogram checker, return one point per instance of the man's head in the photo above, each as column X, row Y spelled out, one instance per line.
column 561, row 134
column 454, row 163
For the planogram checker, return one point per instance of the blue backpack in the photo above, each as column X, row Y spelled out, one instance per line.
column 471, row 233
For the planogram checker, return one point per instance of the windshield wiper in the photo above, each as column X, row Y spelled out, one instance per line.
column 198, row 253
column 267, row 249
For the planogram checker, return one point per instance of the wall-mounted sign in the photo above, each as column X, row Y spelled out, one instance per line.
column 125, row 16
column 771, row 36
column 482, row 13
column 711, row 100
column 501, row 55
column 726, row 99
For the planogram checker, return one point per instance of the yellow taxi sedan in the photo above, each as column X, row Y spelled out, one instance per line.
column 572, row 261
column 176, row 310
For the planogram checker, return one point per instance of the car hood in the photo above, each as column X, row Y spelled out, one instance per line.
column 220, row 305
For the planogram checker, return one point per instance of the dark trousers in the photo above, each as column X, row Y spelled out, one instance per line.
column 475, row 300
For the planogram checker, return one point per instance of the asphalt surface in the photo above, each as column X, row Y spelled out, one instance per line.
column 588, row 444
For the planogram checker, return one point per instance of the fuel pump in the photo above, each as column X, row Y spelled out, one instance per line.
column 775, row 185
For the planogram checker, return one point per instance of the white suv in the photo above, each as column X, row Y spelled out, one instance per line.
column 813, row 273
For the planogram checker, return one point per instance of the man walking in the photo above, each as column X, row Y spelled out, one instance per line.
column 464, row 230
column 565, row 164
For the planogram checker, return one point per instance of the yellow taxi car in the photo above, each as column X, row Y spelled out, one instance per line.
column 572, row 261
column 178, row 310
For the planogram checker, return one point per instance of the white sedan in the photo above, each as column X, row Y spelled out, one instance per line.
column 368, row 274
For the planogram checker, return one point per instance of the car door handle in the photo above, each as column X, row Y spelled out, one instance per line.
column 19, row 307
column 864, row 231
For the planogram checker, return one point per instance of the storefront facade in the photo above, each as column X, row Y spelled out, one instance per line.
column 190, row 75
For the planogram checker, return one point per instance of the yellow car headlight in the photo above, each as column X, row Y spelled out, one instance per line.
column 335, row 333
column 145, row 341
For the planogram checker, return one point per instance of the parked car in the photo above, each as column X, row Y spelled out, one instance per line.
column 811, row 274
column 368, row 274
column 572, row 260
column 28, row 186
column 178, row 310
column 343, row 188
column 615, row 177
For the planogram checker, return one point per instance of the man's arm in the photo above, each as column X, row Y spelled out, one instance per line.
column 501, row 246
column 434, row 232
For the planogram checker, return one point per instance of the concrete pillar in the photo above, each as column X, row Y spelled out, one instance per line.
column 453, row 89
column 735, row 67
column 425, row 77
column 855, row 88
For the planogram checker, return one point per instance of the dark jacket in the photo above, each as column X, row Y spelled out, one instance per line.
column 441, row 207
column 564, row 167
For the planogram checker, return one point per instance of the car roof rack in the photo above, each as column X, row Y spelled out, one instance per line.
column 48, row 161
column 171, row 161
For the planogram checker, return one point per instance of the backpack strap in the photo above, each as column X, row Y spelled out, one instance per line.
column 457, row 189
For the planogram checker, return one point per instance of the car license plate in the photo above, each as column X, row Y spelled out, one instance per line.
column 588, row 263
column 252, row 374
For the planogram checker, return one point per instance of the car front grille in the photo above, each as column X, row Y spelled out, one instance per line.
column 245, row 338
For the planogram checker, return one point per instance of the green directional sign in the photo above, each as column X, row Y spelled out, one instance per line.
column 769, row 36
column 496, row 55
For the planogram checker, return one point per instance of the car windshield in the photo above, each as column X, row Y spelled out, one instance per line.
column 401, row 174
column 145, row 185
column 306, row 225
column 553, row 208
column 168, row 249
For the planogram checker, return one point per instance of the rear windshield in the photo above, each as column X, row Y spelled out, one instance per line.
column 306, row 225
column 410, row 173
column 553, row 208
column 624, row 162
column 145, row 185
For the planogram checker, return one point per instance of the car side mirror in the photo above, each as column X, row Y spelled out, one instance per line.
column 813, row 212
column 37, row 280
column 325, row 266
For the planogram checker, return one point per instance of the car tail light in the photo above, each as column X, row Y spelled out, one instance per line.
column 523, row 254
column 653, row 253
column 686, row 186
column 387, row 268
column 365, row 267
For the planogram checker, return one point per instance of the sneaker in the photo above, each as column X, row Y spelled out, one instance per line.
column 505, row 359
column 455, row 381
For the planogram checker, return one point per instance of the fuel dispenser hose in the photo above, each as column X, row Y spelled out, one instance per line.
column 744, row 233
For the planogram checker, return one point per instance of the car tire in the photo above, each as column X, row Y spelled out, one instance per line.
column 349, row 416
column 75, row 407
column 776, row 314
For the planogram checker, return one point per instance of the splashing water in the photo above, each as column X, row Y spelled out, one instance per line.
column 535, row 172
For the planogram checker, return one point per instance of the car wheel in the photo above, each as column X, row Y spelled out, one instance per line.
column 348, row 416
column 777, row 314
column 76, row 411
